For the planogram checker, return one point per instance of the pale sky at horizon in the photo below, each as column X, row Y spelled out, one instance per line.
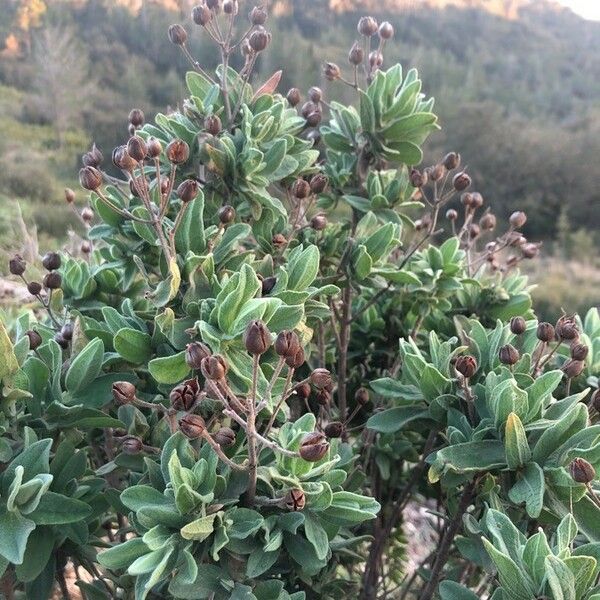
column 590, row 9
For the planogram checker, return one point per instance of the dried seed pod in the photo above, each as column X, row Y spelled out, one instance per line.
column 301, row 188
column 474, row 231
column 258, row 15
column 188, row 190
column 90, row 178
column 122, row 159
column 51, row 261
column 314, row 446
column 375, row 59
column 185, row 395
column 178, row 151
column 67, row 331
column 279, row 240
column 35, row 339
column 318, row 222
column 451, row 160
column 136, row 148
column 267, row 285
column 93, row 157
column 52, row 280
column 213, row 124
column 287, row 343
column 488, row 222
column 60, row 340
column 17, row 265
column 177, row 34
column 34, row 287
column 530, row 250
column 545, row 332
column 303, row 391
column 566, row 328
column 136, row 117
column 517, row 219
column 466, row 365
column 466, row 199
column 582, row 471
column 293, row 96
column 225, row 437
column 451, row 214
column 318, row 183
column 362, row 396
column 259, row 39
column 356, row 54
column 230, row 7
column 295, row 360
column 323, row 398
column 461, row 181
column 295, row 499
column 87, row 214
column 154, row 147
column 334, row 430
column 195, row 353
column 595, row 400
column 123, row 392
column 518, row 325
column 367, row 26
column 509, row 355
column 476, row 200
column 579, row 351
column 315, row 94
column 573, row 368
column 314, row 118
column 132, row 445
column 308, row 108
column 386, row 31
column 192, row 426
column 257, row 338
column 69, row 195
column 226, row 214
column 86, row 247
column 321, row 379
column 201, row 15
column 417, row 178
column 331, row 71
column 214, row 367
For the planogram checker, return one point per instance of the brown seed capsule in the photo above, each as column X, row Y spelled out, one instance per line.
column 318, row 183
column 474, row 231
column 301, row 188
column 187, row 190
column 518, row 325
column 314, row 446
column 367, row 26
column 303, row 391
column 530, row 250
column 90, row 178
column 267, row 285
column 573, row 368
column 230, row 7
column 34, row 287
column 451, row 214
column 488, row 222
column 214, row 367
column 318, row 222
column 436, row 172
column 213, row 4
column 545, row 332
column 375, row 59
column 331, row 71
column 51, row 261
column 16, row 265
column 595, row 400
column 417, row 178
column 225, row 437
column 582, row 471
column 314, row 118
column 466, row 199
column 67, row 331
column 451, row 160
column 178, row 152
column 287, row 343
column 308, row 108
column 334, row 430
column 132, row 445
column 362, row 396
column 295, row 360
column 466, row 365
column 566, row 328
column 323, row 398
column 136, row 117
column 293, row 96
column 154, row 147
column 192, row 426
column 509, row 355
column 185, row 395
column 123, row 392
column 356, row 54
column 579, row 351
column 122, row 160
column 321, row 378
column 226, row 214
column 136, row 148
column 259, row 39
column 279, row 240
column 86, row 247
column 69, row 195
column 195, row 353
column 386, row 31
column 177, row 35
column 92, row 158
column 60, row 340
column 257, row 338
column 201, row 15
column 295, row 499
column 461, row 181
column 314, row 136
column 213, row 125
column 258, row 15
column 52, row 280
column 315, row 94
column 518, row 219
column 87, row 214
column 35, row 339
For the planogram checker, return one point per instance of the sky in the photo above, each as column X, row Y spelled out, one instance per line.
column 590, row 9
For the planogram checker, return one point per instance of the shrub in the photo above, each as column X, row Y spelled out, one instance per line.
column 216, row 405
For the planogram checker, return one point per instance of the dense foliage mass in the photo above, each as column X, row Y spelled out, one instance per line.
column 277, row 334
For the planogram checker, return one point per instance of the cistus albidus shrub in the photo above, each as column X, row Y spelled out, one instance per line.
column 280, row 329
